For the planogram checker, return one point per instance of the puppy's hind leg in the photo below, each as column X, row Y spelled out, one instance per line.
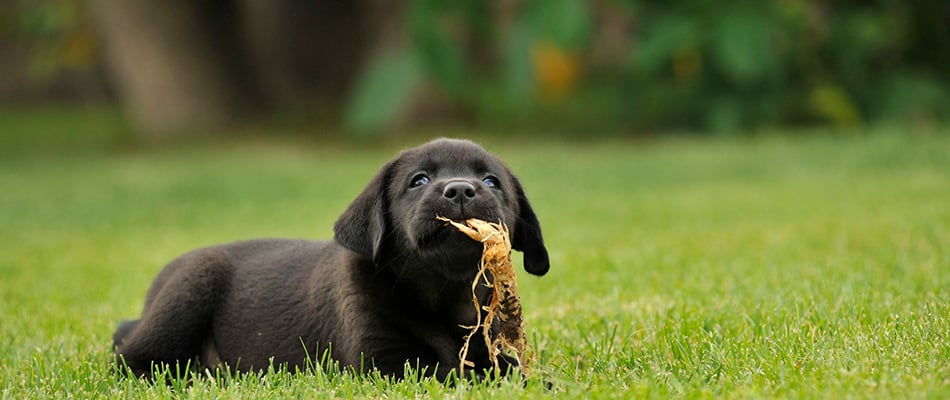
column 177, row 319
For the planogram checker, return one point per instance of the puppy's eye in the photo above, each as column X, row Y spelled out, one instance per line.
column 491, row 182
column 419, row 180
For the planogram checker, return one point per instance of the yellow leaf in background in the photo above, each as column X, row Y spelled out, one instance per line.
column 556, row 70
column 687, row 65
column 79, row 50
column 834, row 104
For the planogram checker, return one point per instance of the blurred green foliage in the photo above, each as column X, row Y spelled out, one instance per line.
column 57, row 36
column 688, row 65
column 381, row 91
column 594, row 66
column 760, row 63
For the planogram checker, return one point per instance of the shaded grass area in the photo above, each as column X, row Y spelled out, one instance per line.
column 810, row 266
column 37, row 132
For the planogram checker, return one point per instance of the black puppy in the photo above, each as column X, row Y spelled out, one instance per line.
column 393, row 287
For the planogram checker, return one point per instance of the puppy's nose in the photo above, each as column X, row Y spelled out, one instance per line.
column 459, row 192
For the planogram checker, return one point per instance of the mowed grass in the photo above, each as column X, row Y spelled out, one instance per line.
column 779, row 266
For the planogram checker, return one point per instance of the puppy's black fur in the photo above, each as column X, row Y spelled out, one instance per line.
column 394, row 286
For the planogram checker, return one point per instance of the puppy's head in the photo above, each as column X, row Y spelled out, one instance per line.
column 393, row 220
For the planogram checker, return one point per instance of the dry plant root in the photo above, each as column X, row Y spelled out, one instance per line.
column 497, row 272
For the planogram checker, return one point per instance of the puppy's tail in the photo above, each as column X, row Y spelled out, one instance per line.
column 123, row 331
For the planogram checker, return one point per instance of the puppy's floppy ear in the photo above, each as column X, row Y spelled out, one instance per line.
column 363, row 225
column 527, row 236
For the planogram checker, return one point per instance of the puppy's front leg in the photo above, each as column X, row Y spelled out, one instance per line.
column 393, row 362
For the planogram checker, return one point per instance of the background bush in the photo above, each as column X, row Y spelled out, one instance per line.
column 568, row 65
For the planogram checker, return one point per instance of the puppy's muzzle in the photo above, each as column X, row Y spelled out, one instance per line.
column 459, row 192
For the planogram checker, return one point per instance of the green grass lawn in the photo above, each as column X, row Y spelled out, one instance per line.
column 786, row 266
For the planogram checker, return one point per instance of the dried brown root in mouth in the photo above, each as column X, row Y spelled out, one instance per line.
column 495, row 271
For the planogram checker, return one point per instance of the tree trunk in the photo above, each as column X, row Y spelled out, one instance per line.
column 170, row 63
column 303, row 52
